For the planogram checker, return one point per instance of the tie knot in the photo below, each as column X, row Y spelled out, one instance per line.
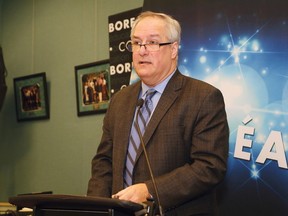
column 150, row 93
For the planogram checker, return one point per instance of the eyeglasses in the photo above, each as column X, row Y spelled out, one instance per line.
column 149, row 46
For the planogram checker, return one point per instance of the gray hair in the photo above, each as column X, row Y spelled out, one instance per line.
column 173, row 26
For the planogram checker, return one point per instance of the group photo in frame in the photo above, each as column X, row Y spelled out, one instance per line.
column 92, row 87
column 31, row 98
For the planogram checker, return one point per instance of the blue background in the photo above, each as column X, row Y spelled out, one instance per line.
column 241, row 47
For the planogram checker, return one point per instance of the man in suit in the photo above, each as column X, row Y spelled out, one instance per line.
column 186, row 138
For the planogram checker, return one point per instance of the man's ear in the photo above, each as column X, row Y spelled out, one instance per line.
column 175, row 48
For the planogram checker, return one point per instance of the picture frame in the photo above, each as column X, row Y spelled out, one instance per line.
column 31, row 98
column 93, row 87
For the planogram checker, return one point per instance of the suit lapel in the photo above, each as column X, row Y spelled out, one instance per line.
column 126, row 123
column 168, row 97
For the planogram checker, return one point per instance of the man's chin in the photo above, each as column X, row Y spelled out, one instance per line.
column 143, row 73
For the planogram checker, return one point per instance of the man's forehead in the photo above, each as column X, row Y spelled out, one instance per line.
column 135, row 36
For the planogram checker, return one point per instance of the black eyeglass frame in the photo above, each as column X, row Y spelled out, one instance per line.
column 130, row 45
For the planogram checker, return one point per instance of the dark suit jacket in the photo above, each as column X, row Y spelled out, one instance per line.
column 186, row 141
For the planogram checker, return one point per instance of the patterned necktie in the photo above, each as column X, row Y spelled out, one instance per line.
column 134, row 142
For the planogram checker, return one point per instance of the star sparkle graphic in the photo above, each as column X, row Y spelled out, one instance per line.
column 249, row 66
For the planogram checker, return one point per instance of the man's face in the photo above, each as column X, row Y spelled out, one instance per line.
column 153, row 66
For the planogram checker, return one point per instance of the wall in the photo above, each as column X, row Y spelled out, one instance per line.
column 1, row 2
column 51, row 36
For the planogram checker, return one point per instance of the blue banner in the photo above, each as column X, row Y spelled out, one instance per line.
column 241, row 47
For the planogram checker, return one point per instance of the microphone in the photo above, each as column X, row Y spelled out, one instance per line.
column 139, row 105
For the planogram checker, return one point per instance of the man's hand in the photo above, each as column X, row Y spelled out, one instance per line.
column 137, row 193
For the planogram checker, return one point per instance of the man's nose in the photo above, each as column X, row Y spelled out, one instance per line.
column 142, row 49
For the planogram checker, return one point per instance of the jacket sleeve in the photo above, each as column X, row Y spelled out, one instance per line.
column 101, row 171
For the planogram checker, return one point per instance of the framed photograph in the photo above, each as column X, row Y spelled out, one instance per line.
column 31, row 97
column 92, row 87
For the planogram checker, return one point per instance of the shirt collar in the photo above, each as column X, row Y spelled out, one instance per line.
column 159, row 88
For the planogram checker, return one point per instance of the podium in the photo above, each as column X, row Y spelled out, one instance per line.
column 71, row 205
